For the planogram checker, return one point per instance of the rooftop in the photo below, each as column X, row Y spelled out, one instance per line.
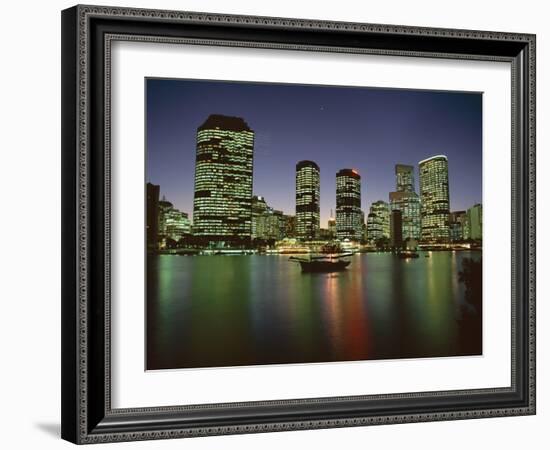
column 433, row 157
column 348, row 172
column 306, row 163
column 222, row 122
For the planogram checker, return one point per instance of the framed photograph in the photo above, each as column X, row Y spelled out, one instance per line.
column 280, row 224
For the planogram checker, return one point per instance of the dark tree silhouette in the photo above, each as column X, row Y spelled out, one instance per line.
column 470, row 314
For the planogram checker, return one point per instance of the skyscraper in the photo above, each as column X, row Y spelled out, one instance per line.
column 177, row 224
column 378, row 221
column 173, row 223
column 164, row 208
column 308, row 186
column 475, row 222
column 404, row 178
column 259, row 208
column 348, row 205
column 407, row 201
column 223, row 180
column 267, row 223
column 152, row 224
column 409, row 205
column 434, row 196
column 457, row 226
column 396, row 228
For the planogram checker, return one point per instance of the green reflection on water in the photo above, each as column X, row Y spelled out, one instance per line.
column 246, row 310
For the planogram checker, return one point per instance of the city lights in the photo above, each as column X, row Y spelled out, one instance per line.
column 227, row 215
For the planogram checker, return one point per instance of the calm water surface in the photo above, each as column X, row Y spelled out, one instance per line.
column 205, row 311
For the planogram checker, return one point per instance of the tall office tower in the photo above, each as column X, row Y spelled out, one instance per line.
column 271, row 224
column 434, row 197
column 475, row 222
column 177, row 224
column 348, row 205
column 259, row 208
column 457, row 226
column 267, row 223
column 152, row 223
column 173, row 223
column 404, row 178
column 396, row 229
column 409, row 205
column 164, row 208
column 308, row 186
column 223, row 181
column 407, row 201
column 378, row 221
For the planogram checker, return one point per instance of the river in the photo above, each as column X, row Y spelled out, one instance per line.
column 213, row 311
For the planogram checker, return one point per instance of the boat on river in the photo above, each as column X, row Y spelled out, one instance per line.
column 408, row 254
column 323, row 263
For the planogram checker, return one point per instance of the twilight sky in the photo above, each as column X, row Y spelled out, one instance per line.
column 368, row 129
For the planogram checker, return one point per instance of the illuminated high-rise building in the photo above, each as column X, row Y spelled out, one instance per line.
column 378, row 221
column 404, row 178
column 308, row 187
column 173, row 224
column 272, row 224
column 458, row 229
column 267, row 223
column 406, row 200
column 164, row 207
column 177, row 224
column 475, row 222
column 152, row 222
column 349, row 222
column 434, row 197
column 223, row 181
column 409, row 205
column 396, row 228
column 259, row 208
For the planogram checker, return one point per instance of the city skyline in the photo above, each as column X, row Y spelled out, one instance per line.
column 453, row 117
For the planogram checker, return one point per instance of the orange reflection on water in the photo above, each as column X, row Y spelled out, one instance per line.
column 348, row 317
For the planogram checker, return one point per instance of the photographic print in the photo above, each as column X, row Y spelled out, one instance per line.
column 292, row 223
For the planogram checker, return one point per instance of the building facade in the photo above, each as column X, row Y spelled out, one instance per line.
column 308, row 193
column 475, row 222
column 434, row 198
column 176, row 224
column 409, row 205
column 259, row 208
column 406, row 200
column 404, row 178
column 349, row 223
column 270, row 225
column 396, row 229
column 164, row 207
column 173, row 224
column 458, row 229
column 222, row 206
column 378, row 221
column 152, row 219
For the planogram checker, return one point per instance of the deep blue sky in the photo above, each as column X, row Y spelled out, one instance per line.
column 369, row 129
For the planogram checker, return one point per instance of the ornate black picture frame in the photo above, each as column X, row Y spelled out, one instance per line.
column 87, row 34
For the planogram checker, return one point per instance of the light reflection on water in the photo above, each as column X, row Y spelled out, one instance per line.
column 206, row 311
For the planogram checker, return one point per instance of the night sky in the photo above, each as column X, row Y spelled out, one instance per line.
column 369, row 129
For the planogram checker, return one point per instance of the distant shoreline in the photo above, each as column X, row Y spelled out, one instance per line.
column 197, row 252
